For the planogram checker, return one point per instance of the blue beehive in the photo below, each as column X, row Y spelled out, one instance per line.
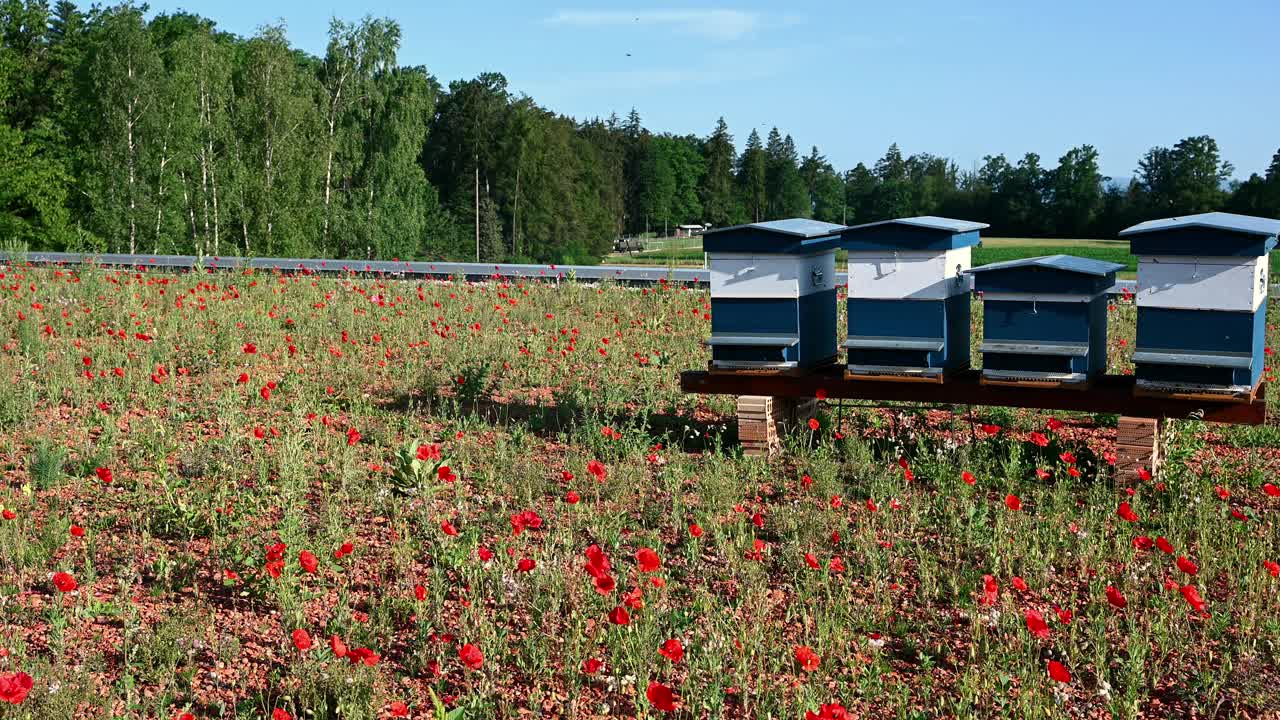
column 908, row 296
column 1202, row 301
column 1045, row 318
column 773, row 294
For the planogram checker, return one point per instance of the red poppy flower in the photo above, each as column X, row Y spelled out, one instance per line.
column 597, row 562
column 353, row 436
column 1271, row 489
column 484, row 553
column 1043, row 474
column 1272, row 567
column 308, row 560
column 77, row 531
column 280, row 714
column 1019, row 584
column 991, row 429
column 1116, row 598
column 1142, row 542
column 448, row 528
column 596, row 468
column 249, row 348
column 990, row 591
column 1059, row 672
column 357, row 656
column 828, row 711
column 1064, row 616
column 591, row 666
column 968, row 477
column 806, row 657
column 661, row 697
column 1038, row 439
column 812, row 561
column 1126, row 512
column 604, row 584
column 571, row 497
column 104, row 474
column 1221, row 492
column 302, row 639
column 244, row 378
column 836, row 565
column 398, row 709
column 672, row 650
column 419, row 593
column 619, row 616
column 1036, row 624
column 471, row 656
column 64, row 582
column 338, row 647
column 1144, row 474
column 8, row 514
column 1067, row 457
column 1187, row 566
column 821, row 394
column 1013, row 502
column 265, row 392
column 14, row 687
column 526, row 564
column 695, row 530
column 1193, row 598
column 813, row 424
column 446, row 474
column 1164, row 545
column 871, row 505
column 648, row 560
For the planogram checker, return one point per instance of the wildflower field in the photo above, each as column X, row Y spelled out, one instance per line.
column 268, row 496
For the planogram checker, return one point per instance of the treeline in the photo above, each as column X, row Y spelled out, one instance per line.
column 170, row 136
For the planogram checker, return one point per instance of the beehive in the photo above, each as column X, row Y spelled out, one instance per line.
column 773, row 295
column 908, row 296
column 1202, row 301
column 1044, row 318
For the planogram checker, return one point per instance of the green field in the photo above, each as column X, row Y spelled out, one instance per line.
column 688, row 253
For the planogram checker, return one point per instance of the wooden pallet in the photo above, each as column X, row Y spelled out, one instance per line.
column 762, row 420
column 1137, row 447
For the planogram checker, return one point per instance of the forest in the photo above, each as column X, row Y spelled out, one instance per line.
column 129, row 133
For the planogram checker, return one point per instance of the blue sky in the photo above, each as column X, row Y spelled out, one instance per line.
column 960, row 79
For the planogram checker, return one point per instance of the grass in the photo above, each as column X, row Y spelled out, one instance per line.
column 244, row 419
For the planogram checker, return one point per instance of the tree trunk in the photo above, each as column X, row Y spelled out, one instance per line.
column 515, row 216
column 477, row 208
column 196, row 246
column 164, row 162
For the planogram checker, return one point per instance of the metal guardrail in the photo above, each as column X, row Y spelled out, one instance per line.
column 628, row 274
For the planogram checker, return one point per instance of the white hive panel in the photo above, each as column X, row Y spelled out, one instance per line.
column 770, row 276
column 1204, row 283
column 917, row 274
